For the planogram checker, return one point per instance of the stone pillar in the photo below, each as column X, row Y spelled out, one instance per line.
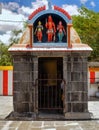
column 35, row 60
column 31, row 34
column 69, row 35
column 65, row 78
column 77, row 85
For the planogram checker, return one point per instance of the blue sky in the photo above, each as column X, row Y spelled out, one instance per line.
column 91, row 4
column 14, row 11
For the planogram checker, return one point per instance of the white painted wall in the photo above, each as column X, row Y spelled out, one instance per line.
column 93, row 88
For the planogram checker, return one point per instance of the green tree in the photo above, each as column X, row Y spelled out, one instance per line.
column 15, row 36
column 5, row 57
column 87, row 26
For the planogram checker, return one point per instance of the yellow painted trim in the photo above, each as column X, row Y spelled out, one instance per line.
column 94, row 69
column 6, row 67
column 11, row 68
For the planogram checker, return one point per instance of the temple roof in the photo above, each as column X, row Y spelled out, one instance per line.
column 75, row 47
column 24, row 42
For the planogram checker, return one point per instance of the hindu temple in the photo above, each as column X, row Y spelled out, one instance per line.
column 50, row 67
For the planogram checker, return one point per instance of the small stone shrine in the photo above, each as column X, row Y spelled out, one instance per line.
column 50, row 67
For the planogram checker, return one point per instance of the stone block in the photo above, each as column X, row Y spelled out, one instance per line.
column 23, row 86
column 84, row 76
column 69, row 106
column 21, row 107
column 31, row 107
column 69, row 66
column 78, row 107
column 68, row 77
column 75, row 76
column 77, row 86
column 21, row 97
column 16, row 58
column 77, row 67
column 17, row 86
column 75, row 96
column 84, row 66
column 21, row 66
column 77, row 115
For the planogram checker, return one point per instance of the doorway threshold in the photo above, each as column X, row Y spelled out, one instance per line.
column 50, row 117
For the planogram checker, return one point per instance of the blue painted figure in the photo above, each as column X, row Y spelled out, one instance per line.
column 61, row 31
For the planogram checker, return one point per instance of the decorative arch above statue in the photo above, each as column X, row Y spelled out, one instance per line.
column 50, row 25
column 55, row 10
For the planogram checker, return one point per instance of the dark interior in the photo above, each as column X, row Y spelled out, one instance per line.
column 50, row 76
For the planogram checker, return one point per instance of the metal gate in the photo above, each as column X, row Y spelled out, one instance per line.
column 49, row 84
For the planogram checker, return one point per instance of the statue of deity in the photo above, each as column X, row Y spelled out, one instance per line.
column 50, row 29
column 61, row 31
column 38, row 31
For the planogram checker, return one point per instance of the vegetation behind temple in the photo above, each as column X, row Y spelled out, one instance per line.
column 5, row 57
column 86, row 24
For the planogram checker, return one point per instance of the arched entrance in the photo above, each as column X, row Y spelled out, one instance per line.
column 50, row 75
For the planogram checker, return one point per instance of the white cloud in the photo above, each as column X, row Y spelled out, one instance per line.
column 28, row 10
column 12, row 6
column 39, row 3
column 9, row 15
column 6, row 25
column 5, row 37
column 25, row 10
column 71, row 9
column 13, row 12
column 83, row 1
column 92, row 4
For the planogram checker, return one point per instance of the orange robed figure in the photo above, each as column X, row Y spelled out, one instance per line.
column 51, row 28
column 38, row 31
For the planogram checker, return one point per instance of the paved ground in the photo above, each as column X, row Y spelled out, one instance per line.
column 6, row 108
column 52, row 125
column 93, row 107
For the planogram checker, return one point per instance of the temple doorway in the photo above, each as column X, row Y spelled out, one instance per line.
column 50, row 75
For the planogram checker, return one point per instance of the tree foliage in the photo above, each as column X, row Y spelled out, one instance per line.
column 15, row 36
column 5, row 57
column 87, row 26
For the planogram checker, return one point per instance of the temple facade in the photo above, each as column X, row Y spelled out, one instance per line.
column 50, row 67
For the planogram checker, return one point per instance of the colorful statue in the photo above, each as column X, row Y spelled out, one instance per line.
column 50, row 29
column 61, row 31
column 38, row 31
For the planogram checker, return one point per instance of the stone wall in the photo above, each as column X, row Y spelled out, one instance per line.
column 24, row 86
column 25, row 94
column 76, row 89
